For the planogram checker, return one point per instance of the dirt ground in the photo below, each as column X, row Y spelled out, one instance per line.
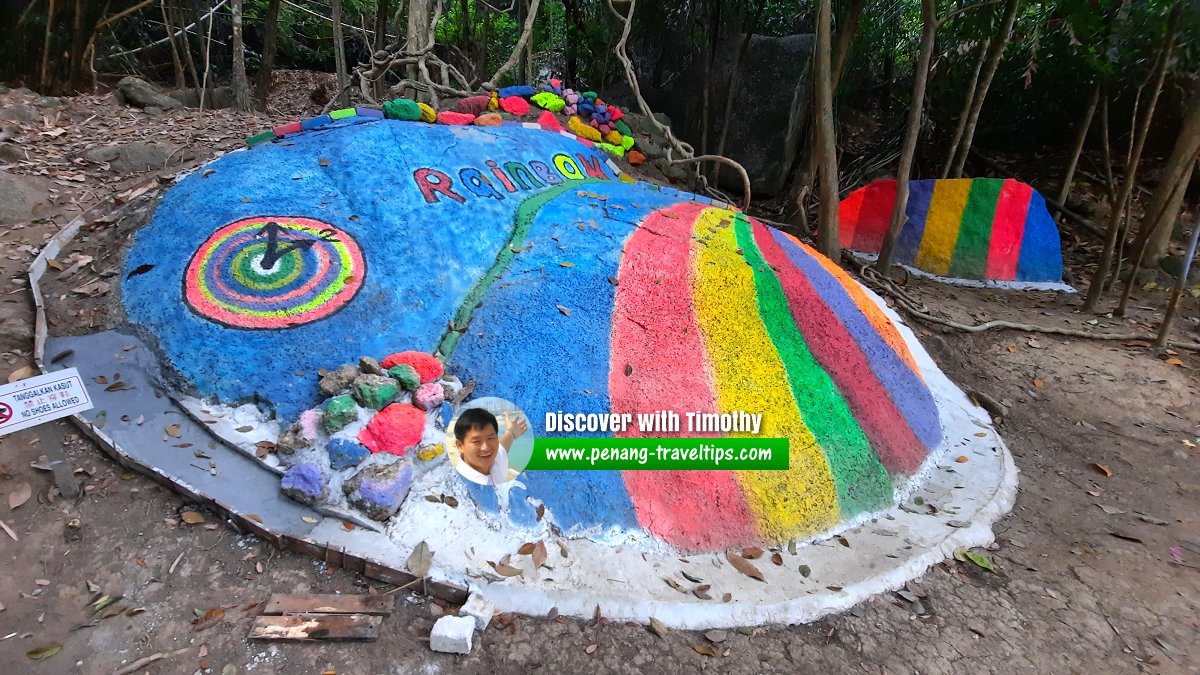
column 1096, row 573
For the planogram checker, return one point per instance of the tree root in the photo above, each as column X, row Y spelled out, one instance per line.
column 919, row 311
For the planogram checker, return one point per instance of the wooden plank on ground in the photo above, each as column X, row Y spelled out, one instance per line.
column 376, row 605
column 316, row 627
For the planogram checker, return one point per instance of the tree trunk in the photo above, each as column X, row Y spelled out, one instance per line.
column 207, row 61
column 991, row 63
column 339, row 56
column 418, row 29
column 268, row 60
column 847, row 29
column 1096, row 289
column 241, row 89
column 706, row 83
column 180, row 83
column 972, row 92
column 912, row 132
column 187, row 46
column 1180, row 283
column 827, row 234
column 1080, row 139
column 382, row 10
column 45, row 80
column 1178, row 170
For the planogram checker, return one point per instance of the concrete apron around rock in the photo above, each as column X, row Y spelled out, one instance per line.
column 627, row 581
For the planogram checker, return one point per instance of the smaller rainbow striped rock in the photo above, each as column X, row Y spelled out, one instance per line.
column 984, row 229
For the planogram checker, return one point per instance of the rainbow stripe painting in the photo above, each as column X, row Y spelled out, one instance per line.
column 978, row 229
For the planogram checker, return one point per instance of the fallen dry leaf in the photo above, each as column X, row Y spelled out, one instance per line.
column 1100, row 468
column 209, row 619
column 20, row 374
column 20, row 494
column 564, row 310
column 191, row 517
column 539, row 554
column 590, row 648
column 173, row 430
column 744, row 566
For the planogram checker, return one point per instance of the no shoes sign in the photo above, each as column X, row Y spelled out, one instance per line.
column 30, row 402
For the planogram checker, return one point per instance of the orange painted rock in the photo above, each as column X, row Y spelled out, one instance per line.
column 489, row 120
column 428, row 367
column 394, row 429
column 549, row 121
column 515, row 105
column 454, row 118
column 635, row 158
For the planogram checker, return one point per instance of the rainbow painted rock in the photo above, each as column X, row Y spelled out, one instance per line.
column 526, row 262
column 985, row 229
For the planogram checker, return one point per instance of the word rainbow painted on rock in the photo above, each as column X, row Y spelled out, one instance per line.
column 512, row 176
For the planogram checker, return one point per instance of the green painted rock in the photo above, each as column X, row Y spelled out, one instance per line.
column 375, row 391
column 406, row 375
column 339, row 411
column 620, row 126
column 402, row 109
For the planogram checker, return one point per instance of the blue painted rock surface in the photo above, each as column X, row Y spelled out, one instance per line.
column 522, row 259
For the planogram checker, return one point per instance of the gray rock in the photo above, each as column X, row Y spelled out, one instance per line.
column 152, row 110
column 49, row 102
column 769, row 107
column 337, row 381
column 18, row 196
column 20, row 112
column 218, row 97
column 370, row 366
column 25, row 91
column 139, row 93
column 138, row 156
column 4, row 90
column 291, row 440
column 11, row 152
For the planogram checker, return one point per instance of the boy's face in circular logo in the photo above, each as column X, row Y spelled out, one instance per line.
column 479, row 448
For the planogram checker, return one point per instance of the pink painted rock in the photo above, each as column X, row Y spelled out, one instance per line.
column 570, row 109
column 515, row 105
column 394, row 429
column 549, row 121
column 570, row 97
column 489, row 120
column 309, row 419
column 428, row 367
column 473, row 105
column 428, row 396
column 453, row 118
column 605, row 129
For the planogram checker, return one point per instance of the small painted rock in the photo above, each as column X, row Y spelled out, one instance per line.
column 406, row 375
column 305, row 482
column 339, row 411
column 426, row 453
column 429, row 396
column 489, row 120
column 427, row 365
column 515, row 105
column 344, row 454
column 455, row 118
column 394, row 429
column 375, row 391
column 635, row 158
column 379, row 490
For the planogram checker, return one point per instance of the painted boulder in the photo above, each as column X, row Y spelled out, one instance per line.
column 978, row 229
column 525, row 261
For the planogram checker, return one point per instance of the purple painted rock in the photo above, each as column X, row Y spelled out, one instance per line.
column 379, row 490
column 305, row 483
column 429, row 396
column 344, row 454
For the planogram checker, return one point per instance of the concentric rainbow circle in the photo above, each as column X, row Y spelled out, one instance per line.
column 317, row 270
